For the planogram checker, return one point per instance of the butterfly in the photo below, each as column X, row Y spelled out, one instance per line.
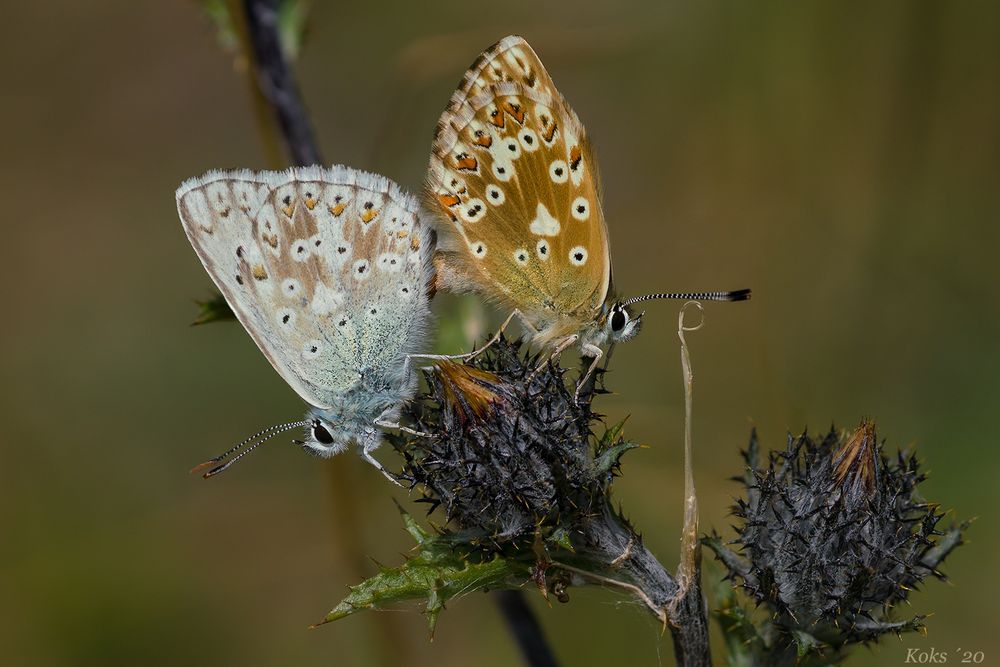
column 329, row 272
column 514, row 180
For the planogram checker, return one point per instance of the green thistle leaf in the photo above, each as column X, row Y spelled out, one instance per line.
column 215, row 309
column 437, row 573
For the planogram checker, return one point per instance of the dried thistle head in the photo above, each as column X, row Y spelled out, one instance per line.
column 833, row 534
column 511, row 452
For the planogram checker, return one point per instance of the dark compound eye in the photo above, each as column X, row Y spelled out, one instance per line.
column 321, row 435
column 618, row 320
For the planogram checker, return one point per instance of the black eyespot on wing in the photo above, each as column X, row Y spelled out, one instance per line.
column 321, row 435
column 618, row 320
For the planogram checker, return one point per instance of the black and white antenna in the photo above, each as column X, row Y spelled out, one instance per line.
column 258, row 439
column 738, row 295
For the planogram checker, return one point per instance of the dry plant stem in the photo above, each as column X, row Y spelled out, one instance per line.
column 690, row 555
column 690, row 636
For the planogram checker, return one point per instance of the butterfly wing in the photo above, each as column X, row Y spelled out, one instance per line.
column 327, row 269
column 513, row 176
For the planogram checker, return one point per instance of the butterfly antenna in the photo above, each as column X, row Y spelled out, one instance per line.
column 738, row 295
column 260, row 437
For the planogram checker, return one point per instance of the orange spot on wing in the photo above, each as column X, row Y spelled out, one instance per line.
column 336, row 210
column 515, row 111
column 288, row 210
column 310, row 204
column 270, row 239
column 550, row 133
column 402, row 233
column 483, row 139
column 414, row 243
column 465, row 162
column 449, row 200
column 575, row 155
column 258, row 272
column 369, row 214
column 497, row 118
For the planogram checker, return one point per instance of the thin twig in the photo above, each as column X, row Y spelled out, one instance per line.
column 277, row 83
column 524, row 625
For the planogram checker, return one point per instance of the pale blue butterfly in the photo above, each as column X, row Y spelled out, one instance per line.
column 329, row 272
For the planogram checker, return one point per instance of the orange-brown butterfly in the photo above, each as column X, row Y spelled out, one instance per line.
column 514, row 176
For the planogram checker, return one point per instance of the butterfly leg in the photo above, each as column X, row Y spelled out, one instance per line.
column 514, row 313
column 384, row 423
column 556, row 352
column 475, row 353
column 597, row 353
column 390, row 419
column 370, row 444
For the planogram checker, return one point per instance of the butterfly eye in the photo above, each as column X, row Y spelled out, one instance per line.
column 618, row 320
column 320, row 434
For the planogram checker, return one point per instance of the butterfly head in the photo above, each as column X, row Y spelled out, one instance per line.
column 325, row 434
column 621, row 323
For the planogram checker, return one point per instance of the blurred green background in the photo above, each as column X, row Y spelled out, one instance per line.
column 842, row 159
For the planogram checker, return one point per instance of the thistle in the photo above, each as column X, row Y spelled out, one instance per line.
column 833, row 534
column 510, row 459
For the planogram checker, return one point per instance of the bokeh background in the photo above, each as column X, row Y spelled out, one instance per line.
column 842, row 159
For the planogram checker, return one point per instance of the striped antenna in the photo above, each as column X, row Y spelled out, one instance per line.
column 738, row 295
column 260, row 437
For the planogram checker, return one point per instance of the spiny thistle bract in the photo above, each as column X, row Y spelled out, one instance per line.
column 832, row 535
